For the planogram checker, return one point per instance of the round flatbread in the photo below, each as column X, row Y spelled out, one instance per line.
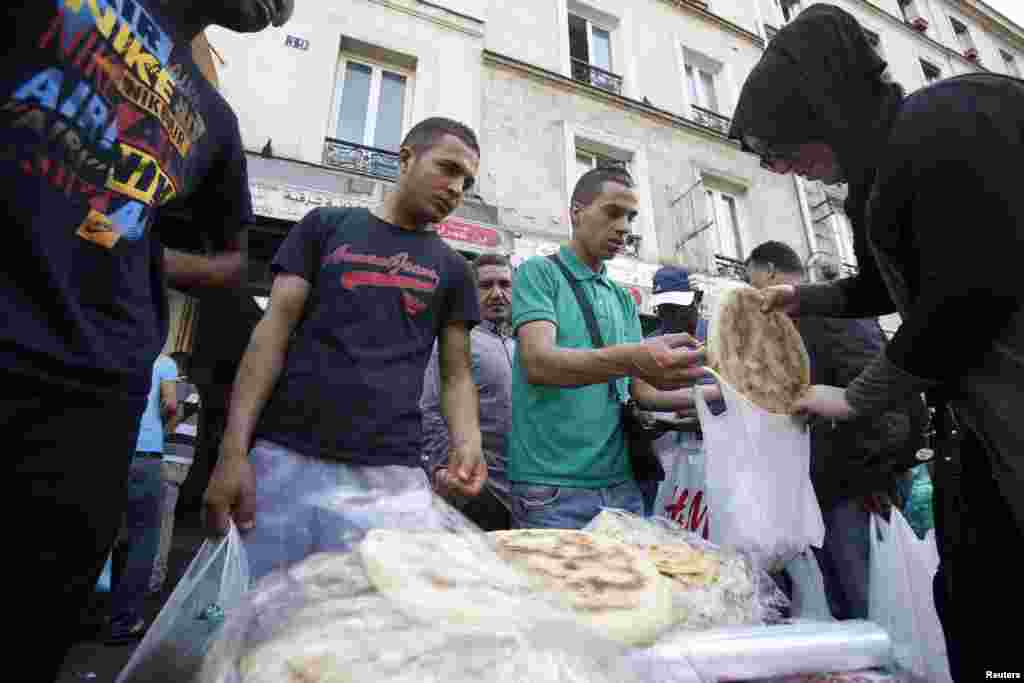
column 683, row 564
column 762, row 356
column 440, row 575
column 610, row 586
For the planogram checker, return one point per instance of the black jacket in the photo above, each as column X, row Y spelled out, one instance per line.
column 868, row 454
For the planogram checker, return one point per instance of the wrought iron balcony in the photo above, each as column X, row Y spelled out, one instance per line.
column 731, row 268
column 710, row 119
column 596, row 76
column 349, row 156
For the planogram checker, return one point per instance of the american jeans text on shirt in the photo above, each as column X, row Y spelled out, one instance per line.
column 110, row 124
column 399, row 271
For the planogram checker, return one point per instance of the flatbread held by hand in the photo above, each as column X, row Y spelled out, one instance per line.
column 761, row 355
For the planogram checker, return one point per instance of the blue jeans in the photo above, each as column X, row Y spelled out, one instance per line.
column 844, row 559
column 536, row 506
column 141, row 538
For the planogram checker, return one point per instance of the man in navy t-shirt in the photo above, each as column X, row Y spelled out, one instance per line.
column 105, row 120
column 332, row 378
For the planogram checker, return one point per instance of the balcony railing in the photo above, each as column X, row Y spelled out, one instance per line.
column 349, row 156
column 596, row 76
column 731, row 268
column 710, row 119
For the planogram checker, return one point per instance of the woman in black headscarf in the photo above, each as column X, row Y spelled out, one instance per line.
column 936, row 209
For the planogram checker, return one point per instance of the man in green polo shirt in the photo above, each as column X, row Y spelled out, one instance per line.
column 567, row 455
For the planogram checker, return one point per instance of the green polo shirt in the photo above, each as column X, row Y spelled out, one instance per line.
column 564, row 436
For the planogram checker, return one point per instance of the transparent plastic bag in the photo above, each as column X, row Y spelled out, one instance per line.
column 323, row 620
column 900, row 597
column 757, row 472
column 741, row 593
column 175, row 645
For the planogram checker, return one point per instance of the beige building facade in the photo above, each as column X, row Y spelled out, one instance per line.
column 555, row 88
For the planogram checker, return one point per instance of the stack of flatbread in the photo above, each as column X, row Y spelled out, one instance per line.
column 407, row 608
column 762, row 356
column 711, row 587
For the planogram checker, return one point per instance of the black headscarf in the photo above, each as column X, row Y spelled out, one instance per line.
column 819, row 81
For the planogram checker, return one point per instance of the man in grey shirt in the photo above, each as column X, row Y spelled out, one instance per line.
column 492, row 354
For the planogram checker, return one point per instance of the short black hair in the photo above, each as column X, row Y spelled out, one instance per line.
column 429, row 132
column 778, row 254
column 592, row 183
column 490, row 260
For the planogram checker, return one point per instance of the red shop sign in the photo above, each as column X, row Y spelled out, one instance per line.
column 464, row 231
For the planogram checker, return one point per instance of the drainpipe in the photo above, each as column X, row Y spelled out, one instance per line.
column 805, row 211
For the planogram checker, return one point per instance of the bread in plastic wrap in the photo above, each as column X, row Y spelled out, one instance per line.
column 323, row 621
column 736, row 592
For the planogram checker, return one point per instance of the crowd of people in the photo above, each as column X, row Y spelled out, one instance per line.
column 387, row 362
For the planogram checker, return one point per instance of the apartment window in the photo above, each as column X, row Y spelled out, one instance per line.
column 704, row 89
column 1010, row 62
column 931, row 72
column 963, row 37
column 912, row 14
column 590, row 50
column 790, row 8
column 371, row 105
column 722, row 207
column 371, row 102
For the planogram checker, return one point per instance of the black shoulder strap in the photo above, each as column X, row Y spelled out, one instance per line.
column 588, row 312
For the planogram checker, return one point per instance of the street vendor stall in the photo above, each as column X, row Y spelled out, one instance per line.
column 629, row 600
column 412, row 592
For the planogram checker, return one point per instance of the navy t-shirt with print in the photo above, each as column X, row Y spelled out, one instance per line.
column 353, row 376
column 104, row 119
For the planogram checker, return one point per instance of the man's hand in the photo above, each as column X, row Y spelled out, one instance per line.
column 825, row 401
column 780, row 298
column 671, row 361
column 466, row 472
column 231, row 492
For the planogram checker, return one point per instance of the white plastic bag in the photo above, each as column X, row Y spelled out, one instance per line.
column 682, row 496
column 176, row 643
column 757, row 467
column 900, row 597
column 809, row 599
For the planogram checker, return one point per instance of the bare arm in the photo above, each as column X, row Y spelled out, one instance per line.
column 264, row 358
column 678, row 400
column 461, row 406
column 225, row 269
column 547, row 363
column 169, row 405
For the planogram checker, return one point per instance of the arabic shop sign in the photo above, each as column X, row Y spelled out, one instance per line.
column 291, row 203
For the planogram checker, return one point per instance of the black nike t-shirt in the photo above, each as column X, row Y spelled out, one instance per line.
column 104, row 119
column 353, row 376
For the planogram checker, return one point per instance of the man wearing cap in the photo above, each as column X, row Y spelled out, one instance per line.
column 677, row 305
